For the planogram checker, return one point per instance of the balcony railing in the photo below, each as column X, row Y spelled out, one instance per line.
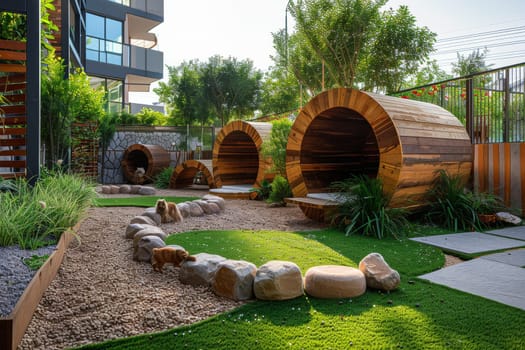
column 112, row 52
column 155, row 7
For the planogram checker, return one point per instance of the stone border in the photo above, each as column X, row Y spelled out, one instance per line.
column 13, row 327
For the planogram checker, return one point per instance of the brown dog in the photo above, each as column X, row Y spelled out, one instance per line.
column 172, row 255
column 168, row 211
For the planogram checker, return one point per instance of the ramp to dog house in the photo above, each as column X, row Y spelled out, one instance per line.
column 152, row 159
column 344, row 132
column 184, row 174
column 238, row 164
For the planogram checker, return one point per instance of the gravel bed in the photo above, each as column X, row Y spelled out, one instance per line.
column 15, row 275
column 100, row 293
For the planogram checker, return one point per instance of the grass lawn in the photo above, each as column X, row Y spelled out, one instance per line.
column 418, row 315
column 145, row 201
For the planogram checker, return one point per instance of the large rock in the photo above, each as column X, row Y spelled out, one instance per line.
column 278, row 280
column 140, row 219
column 205, row 206
column 184, row 209
column 201, row 271
column 125, row 189
column 145, row 247
column 234, row 279
column 132, row 229
column 143, row 233
column 508, row 217
column 146, row 191
column 334, row 281
column 216, row 199
column 152, row 214
column 106, row 189
column 114, row 189
column 195, row 209
column 378, row 274
column 134, row 189
column 214, row 207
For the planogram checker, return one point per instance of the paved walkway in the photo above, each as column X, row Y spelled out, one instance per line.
column 497, row 276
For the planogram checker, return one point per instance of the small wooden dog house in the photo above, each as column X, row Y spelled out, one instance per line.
column 140, row 163
column 237, row 158
column 344, row 132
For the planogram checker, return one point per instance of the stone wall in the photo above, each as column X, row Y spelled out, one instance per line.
column 173, row 139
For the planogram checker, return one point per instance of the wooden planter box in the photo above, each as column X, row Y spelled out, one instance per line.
column 13, row 327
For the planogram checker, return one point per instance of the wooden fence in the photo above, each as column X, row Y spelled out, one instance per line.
column 13, row 118
column 499, row 168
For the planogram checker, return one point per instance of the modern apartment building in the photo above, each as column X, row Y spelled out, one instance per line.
column 111, row 40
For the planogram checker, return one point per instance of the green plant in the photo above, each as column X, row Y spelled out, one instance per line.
column 262, row 192
column 280, row 190
column 275, row 147
column 162, row 179
column 487, row 203
column 364, row 209
column 451, row 206
column 36, row 261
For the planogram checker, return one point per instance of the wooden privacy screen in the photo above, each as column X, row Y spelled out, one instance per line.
column 151, row 158
column 237, row 158
column 344, row 132
column 13, row 118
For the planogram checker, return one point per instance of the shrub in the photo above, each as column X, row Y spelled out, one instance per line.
column 364, row 209
column 280, row 190
column 162, row 179
column 275, row 147
column 451, row 206
column 262, row 192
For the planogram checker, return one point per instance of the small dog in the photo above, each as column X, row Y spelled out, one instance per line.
column 172, row 255
column 168, row 211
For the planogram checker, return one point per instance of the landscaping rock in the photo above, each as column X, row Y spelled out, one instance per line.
column 278, row 280
column 195, row 209
column 378, row 274
column 508, row 217
column 132, row 229
column 134, row 189
column 125, row 189
column 114, row 189
column 140, row 219
column 234, row 279
column 145, row 247
column 146, row 191
column 143, row 233
column 184, row 209
column 216, row 199
column 152, row 214
column 106, row 189
column 334, row 281
column 205, row 206
column 201, row 271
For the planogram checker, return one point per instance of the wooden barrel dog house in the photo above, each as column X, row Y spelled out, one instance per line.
column 237, row 158
column 184, row 174
column 140, row 163
column 344, row 132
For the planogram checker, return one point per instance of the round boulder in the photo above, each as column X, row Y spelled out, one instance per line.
column 184, row 209
column 152, row 214
column 378, row 274
column 145, row 247
column 143, row 220
column 195, row 209
column 234, row 279
column 278, row 280
column 334, row 282
column 201, row 271
column 125, row 189
column 216, row 199
column 146, row 191
column 132, row 229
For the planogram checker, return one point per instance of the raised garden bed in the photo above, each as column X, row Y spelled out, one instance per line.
column 13, row 327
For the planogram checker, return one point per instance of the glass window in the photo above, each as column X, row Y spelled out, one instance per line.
column 104, row 39
column 94, row 25
column 113, row 30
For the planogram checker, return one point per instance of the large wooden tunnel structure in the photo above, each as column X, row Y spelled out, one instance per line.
column 149, row 159
column 344, row 132
column 237, row 158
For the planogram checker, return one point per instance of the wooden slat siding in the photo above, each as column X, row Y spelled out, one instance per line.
column 8, row 120
column 13, row 79
column 12, row 152
column 13, row 142
column 15, row 98
column 12, row 45
column 12, row 110
column 237, row 157
column 408, row 143
column 495, row 170
column 12, row 68
column 12, row 163
column 12, row 55
column 12, row 131
column 184, row 173
column 507, row 165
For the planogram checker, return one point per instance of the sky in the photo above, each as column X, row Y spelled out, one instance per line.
column 199, row 29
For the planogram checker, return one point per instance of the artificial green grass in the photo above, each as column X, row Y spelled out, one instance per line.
column 143, row 201
column 418, row 315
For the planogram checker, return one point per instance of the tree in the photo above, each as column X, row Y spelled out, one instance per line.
column 279, row 92
column 470, row 64
column 356, row 43
column 275, row 147
column 231, row 87
column 427, row 74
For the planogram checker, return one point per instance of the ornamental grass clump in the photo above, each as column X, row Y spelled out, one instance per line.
column 162, row 179
column 364, row 209
column 36, row 216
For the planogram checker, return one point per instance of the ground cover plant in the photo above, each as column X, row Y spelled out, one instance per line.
column 36, row 216
column 143, row 201
column 418, row 315
column 162, row 179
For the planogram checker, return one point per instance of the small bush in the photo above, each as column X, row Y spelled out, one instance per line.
column 364, row 209
column 36, row 261
column 280, row 190
column 162, row 179
column 263, row 192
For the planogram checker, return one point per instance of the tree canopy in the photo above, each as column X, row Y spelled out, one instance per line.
column 217, row 90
